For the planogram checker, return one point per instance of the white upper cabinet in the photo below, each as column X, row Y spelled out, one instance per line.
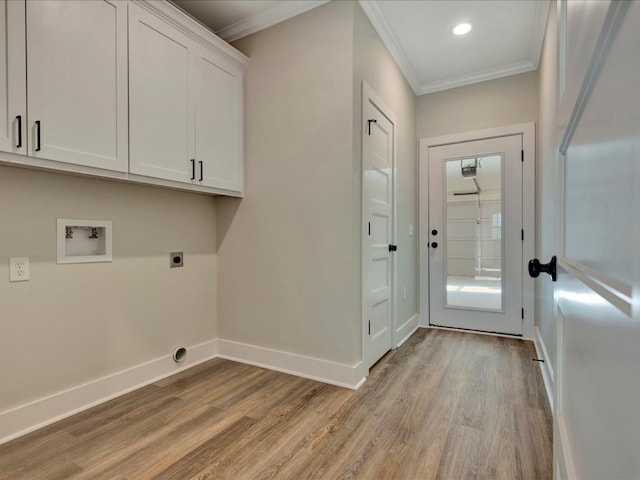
column 77, row 82
column 185, row 105
column 160, row 104
column 13, row 104
column 128, row 90
column 218, row 134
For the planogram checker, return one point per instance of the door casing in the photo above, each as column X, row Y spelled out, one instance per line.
column 527, row 130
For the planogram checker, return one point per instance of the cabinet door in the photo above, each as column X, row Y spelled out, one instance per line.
column 77, row 82
column 160, row 103
column 218, row 104
column 13, row 81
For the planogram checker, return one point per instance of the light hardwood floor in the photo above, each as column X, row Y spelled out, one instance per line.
column 446, row 405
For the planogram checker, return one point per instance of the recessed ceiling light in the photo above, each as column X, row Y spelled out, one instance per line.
column 462, row 28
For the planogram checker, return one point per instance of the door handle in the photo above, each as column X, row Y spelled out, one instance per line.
column 19, row 120
column 201, row 171
column 193, row 169
column 393, row 248
column 37, row 149
column 434, row 244
column 535, row 268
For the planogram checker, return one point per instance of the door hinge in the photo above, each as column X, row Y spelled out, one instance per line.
column 369, row 228
column 369, row 327
column 522, row 314
column 522, row 155
column 522, row 235
column 369, row 122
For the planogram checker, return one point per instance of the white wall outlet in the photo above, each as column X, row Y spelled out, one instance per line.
column 404, row 293
column 411, row 232
column 18, row 269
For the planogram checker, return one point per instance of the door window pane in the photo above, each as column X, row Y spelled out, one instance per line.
column 473, row 263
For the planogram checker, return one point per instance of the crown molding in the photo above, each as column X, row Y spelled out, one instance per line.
column 539, row 26
column 514, row 69
column 381, row 26
column 267, row 18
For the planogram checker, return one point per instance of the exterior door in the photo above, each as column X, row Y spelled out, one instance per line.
column 597, row 379
column 378, row 184
column 475, row 236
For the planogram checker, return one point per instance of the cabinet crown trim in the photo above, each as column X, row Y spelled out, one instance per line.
column 194, row 29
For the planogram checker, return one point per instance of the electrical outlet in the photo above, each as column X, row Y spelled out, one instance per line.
column 404, row 293
column 19, row 269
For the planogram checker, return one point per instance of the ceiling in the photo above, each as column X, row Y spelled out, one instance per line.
column 506, row 37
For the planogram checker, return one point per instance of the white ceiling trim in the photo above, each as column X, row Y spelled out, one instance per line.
column 389, row 39
column 539, row 24
column 514, row 69
column 267, row 18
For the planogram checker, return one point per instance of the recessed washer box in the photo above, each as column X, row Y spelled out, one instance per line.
column 84, row 241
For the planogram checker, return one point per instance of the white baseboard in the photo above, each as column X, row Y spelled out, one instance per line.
column 26, row 418
column 407, row 329
column 545, row 367
column 342, row 375
column 563, row 457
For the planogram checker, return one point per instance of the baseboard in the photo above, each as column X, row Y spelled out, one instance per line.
column 342, row 375
column 563, row 458
column 545, row 367
column 26, row 418
column 407, row 329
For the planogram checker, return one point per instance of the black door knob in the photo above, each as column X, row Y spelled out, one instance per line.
column 535, row 268
column 393, row 248
column 434, row 244
column 434, row 232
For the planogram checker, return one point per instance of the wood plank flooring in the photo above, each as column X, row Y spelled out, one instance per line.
column 446, row 405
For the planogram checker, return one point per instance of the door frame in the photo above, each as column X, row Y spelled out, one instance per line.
column 369, row 95
column 527, row 130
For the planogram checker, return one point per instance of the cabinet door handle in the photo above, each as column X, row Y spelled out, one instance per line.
column 19, row 119
column 37, row 149
column 193, row 169
column 201, row 170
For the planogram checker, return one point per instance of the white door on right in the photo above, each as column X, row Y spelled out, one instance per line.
column 597, row 294
column 475, row 235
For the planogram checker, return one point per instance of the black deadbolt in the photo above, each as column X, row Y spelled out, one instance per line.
column 434, row 232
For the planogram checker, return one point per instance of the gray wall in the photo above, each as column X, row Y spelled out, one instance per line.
column 494, row 103
column 289, row 254
column 285, row 252
column 71, row 324
column 374, row 65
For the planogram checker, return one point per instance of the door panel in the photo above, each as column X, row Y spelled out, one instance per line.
column 475, row 206
column 77, row 82
column 598, row 386
column 378, row 171
column 160, row 110
column 218, row 110
column 13, row 80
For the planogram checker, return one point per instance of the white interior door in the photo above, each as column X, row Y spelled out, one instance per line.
column 597, row 382
column 378, row 209
column 476, row 235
